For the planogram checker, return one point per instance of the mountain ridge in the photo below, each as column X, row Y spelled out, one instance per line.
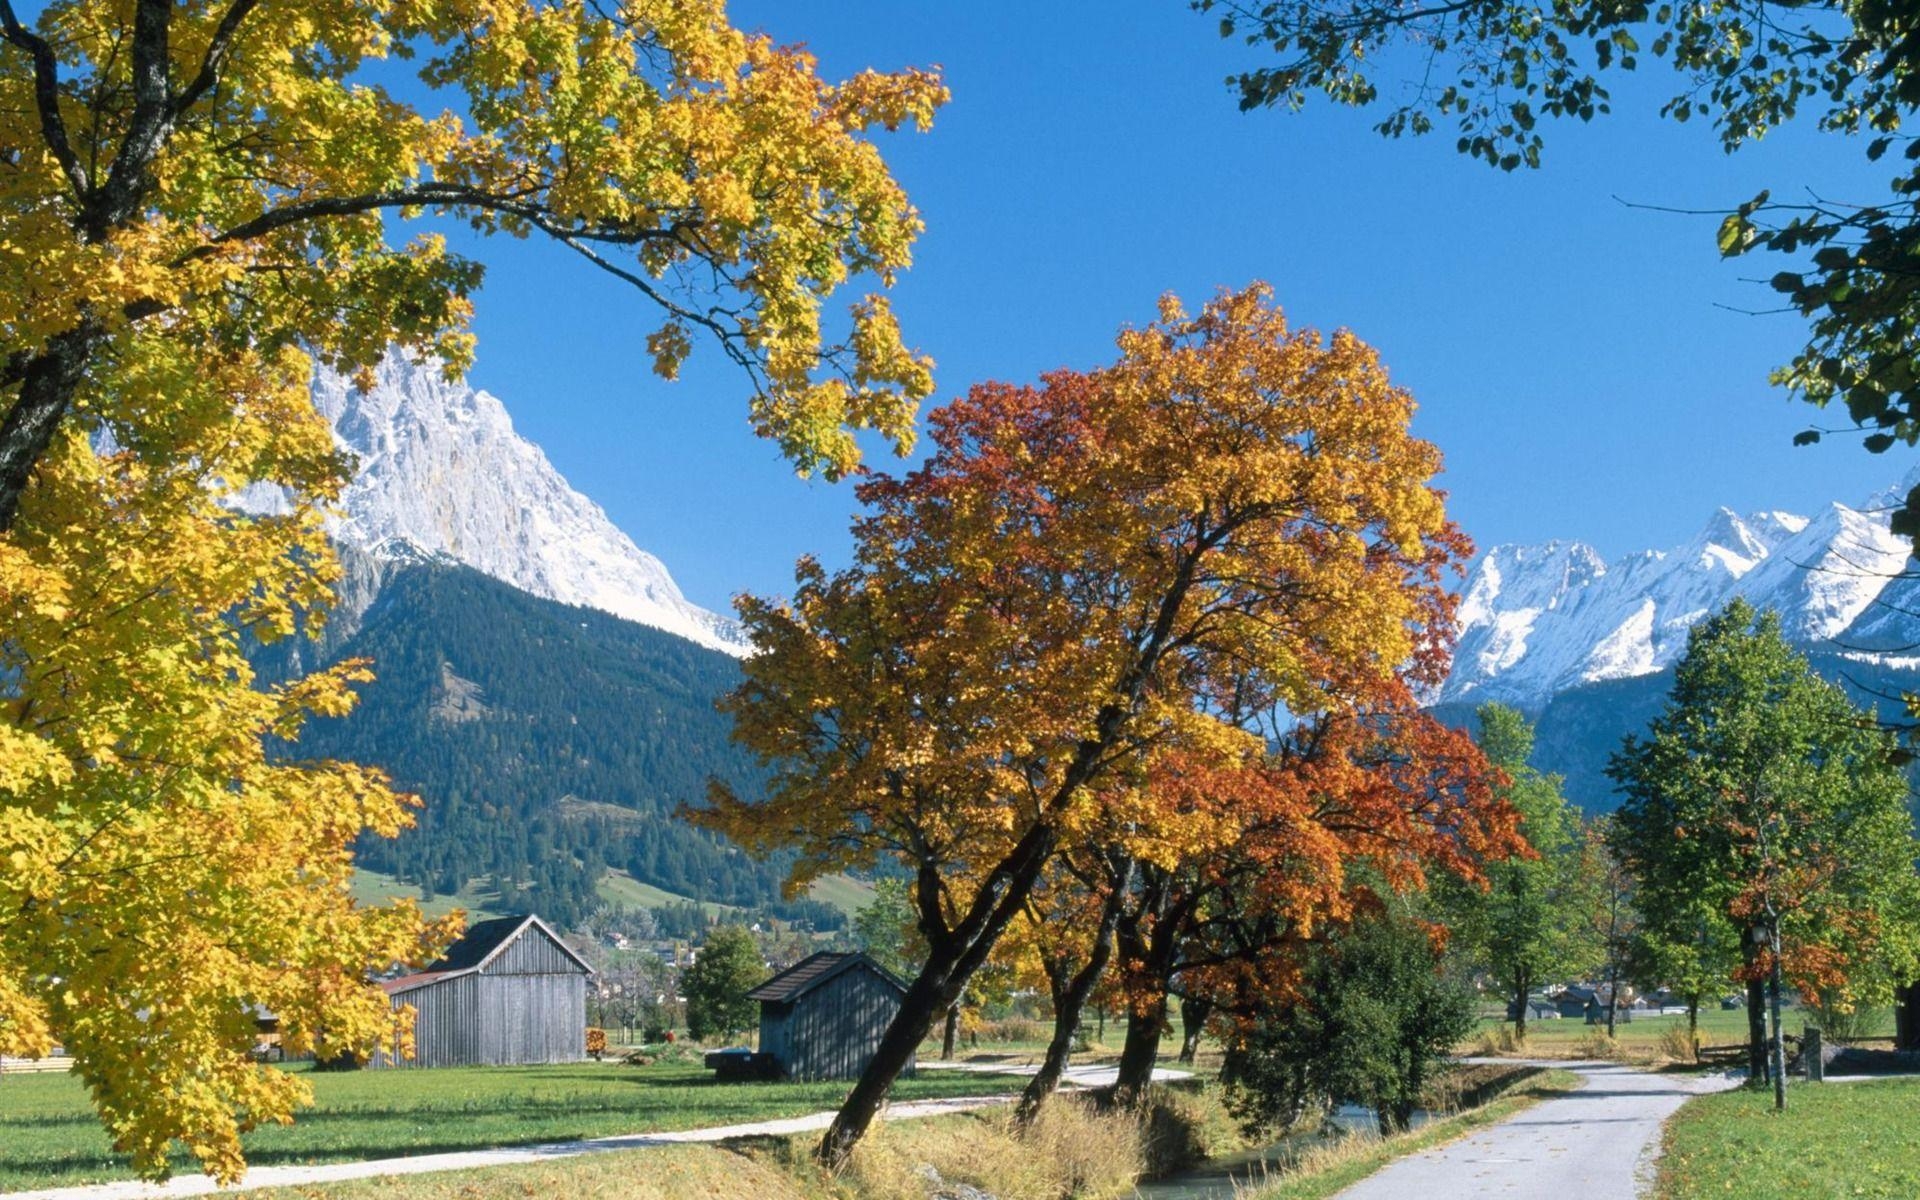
column 1537, row 620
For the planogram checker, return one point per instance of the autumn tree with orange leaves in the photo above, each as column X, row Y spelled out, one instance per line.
column 1352, row 806
column 1075, row 583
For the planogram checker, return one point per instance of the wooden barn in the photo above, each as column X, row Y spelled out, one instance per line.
column 822, row 1017
column 508, row 992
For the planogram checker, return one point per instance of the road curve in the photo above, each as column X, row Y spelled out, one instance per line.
column 1597, row 1142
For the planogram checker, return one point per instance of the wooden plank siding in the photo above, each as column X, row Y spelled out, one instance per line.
column 527, row 1003
column 832, row 1030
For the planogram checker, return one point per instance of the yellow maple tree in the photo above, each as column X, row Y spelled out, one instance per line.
column 197, row 201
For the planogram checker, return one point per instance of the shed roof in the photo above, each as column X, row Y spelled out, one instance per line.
column 477, row 947
column 814, row 970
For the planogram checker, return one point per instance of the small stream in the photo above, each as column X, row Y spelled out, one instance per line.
column 1216, row 1180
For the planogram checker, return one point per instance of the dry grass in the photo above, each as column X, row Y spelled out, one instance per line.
column 1071, row 1150
column 682, row 1173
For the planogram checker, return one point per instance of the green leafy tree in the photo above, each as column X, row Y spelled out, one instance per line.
column 1763, row 797
column 1607, row 905
column 1494, row 71
column 1377, row 1016
column 1523, row 928
column 716, row 985
column 888, row 929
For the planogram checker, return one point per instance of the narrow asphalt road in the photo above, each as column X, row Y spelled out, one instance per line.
column 1599, row 1141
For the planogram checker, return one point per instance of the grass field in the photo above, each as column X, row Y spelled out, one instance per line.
column 49, row 1135
column 1639, row 1038
column 1836, row 1139
column 617, row 887
column 478, row 897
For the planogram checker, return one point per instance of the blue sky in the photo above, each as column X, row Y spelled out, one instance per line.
column 1571, row 354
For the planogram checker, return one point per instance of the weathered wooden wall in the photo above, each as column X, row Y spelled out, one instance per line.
column 529, row 1005
column 831, row 1031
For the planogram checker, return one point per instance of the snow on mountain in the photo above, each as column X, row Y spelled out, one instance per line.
column 442, row 472
column 1537, row 620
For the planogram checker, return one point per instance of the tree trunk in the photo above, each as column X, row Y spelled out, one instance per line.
column 1613, row 993
column 1520, row 990
column 1193, row 1023
column 1756, row 1033
column 1069, row 1001
column 1140, row 1051
column 1693, row 1023
column 1394, row 1118
column 1779, row 1043
column 951, row 961
column 951, row 1033
column 1907, row 1017
column 48, row 382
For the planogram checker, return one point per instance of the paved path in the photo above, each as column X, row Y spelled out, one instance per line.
column 1597, row 1143
column 467, row 1160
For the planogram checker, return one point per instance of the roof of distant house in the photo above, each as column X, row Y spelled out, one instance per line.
column 814, row 970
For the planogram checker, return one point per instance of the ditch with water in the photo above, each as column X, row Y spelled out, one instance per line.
column 1219, row 1178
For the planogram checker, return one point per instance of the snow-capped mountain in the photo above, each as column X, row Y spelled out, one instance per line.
column 442, row 472
column 1538, row 620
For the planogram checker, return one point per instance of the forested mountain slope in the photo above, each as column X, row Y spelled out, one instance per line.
column 548, row 743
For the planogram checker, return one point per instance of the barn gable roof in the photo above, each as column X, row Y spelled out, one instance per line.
column 814, row 970
column 479, row 945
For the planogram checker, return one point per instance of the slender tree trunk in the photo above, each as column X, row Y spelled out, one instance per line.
column 1779, row 1042
column 1613, row 991
column 1520, row 990
column 1193, row 1023
column 1070, row 994
column 951, row 1033
column 1756, row 1033
column 1693, row 1023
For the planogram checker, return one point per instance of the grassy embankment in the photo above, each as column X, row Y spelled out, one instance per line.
column 49, row 1135
column 1836, row 1139
column 1325, row 1170
column 1073, row 1152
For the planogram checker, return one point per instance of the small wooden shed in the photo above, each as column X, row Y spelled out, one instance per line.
column 508, row 992
column 823, row 1017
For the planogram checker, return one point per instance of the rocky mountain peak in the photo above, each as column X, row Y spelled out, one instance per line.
column 443, row 474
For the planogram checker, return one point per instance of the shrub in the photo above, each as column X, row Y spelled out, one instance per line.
column 1676, row 1043
column 596, row 1041
column 1842, row 1022
column 1597, row 1045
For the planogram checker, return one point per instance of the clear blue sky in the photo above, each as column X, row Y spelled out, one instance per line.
column 1566, row 350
